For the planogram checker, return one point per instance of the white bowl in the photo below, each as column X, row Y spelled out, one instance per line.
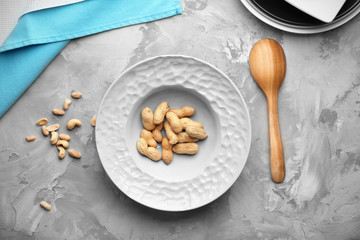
column 189, row 181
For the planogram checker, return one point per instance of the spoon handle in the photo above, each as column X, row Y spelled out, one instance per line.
column 276, row 149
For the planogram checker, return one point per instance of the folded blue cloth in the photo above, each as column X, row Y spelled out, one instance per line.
column 40, row 36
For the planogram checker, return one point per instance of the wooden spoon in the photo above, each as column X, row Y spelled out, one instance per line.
column 268, row 67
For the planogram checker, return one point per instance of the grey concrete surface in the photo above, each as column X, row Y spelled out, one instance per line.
column 319, row 108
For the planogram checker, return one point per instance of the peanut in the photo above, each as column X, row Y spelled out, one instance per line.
column 44, row 130
column 196, row 132
column 30, row 138
column 54, row 137
column 153, row 154
column 42, row 121
column 58, row 112
column 185, row 111
column 186, row 148
column 62, row 152
column 64, row 136
column 147, row 119
column 72, row 123
column 76, row 95
column 174, row 122
column 67, row 104
column 160, row 112
column 184, row 137
column 63, row 143
column 167, row 153
column 173, row 138
column 142, row 146
column 187, row 121
column 53, row 127
column 150, row 152
column 148, row 136
column 45, row 205
column 93, row 121
column 157, row 132
column 74, row 154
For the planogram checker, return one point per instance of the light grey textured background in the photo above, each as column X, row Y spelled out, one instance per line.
column 319, row 108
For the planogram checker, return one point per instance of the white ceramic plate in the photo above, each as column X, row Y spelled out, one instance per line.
column 189, row 181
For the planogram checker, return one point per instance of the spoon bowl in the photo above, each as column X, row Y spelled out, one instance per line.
column 268, row 65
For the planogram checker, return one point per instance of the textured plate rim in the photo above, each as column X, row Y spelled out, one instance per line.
column 289, row 28
column 248, row 120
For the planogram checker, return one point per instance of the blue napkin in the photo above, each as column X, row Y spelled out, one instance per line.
column 39, row 36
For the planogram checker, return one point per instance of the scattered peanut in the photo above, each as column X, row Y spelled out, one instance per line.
column 93, row 121
column 45, row 205
column 184, row 137
column 157, row 132
column 44, row 130
column 64, row 136
column 147, row 119
column 187, row 121
column 150, row 152
column 58, row 112
column 185, row 111
column 42, row 121
column 72, row 123
column 74, row 154
column 54, row 137
column 76, row 95
column 148, row 136
column 186, row 148
column 30, row 138
column 160, row 112
column 167, row 153
column 174, row 122
column 196, row 132
column 53, row 127
column 173, row 138
column 62, row 152
column 63, row 143
column 67, row 104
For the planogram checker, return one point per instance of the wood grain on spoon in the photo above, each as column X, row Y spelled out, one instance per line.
column 268, row 67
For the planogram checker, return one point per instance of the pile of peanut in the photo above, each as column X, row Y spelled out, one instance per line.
column 181, row 132
column 61, row 141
